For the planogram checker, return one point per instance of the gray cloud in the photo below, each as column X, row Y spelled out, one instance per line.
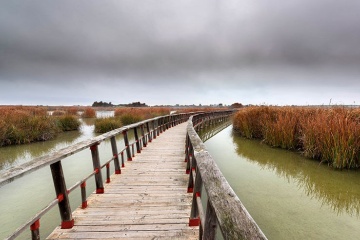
column 258, row 47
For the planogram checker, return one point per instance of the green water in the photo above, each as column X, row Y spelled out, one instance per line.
column 289, row 196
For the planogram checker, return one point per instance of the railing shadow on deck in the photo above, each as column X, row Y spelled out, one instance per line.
column 224, row 209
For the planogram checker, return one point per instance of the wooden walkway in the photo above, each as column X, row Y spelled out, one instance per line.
column 148, row 200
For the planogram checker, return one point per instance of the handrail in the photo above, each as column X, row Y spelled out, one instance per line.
column 224, row 208
column 158, row 125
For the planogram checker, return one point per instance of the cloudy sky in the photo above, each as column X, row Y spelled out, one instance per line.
column 179, row 52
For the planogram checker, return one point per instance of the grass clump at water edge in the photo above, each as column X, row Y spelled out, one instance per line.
column 329, row 135
column 103, row 125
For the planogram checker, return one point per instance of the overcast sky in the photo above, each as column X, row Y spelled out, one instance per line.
column 180, row 52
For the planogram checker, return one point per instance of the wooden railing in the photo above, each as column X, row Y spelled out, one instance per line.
column 224, row 209
column 143, row 131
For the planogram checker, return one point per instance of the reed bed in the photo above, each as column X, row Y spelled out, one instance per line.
column 20, row 125
column 330, row 135
column 89, row 112
column 103, row 125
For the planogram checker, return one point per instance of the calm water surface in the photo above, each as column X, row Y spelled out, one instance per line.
column 289, row 196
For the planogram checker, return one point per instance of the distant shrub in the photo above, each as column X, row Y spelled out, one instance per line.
column 72, row 111
column 58, row 113
column 89, row 113
column 127, row 119
column 68, row 123
column 103, row 125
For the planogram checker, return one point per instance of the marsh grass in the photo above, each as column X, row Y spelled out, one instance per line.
column 331, row 135
column 89, row 112
column 68, row 123
column 103, row 125
column 24, row 125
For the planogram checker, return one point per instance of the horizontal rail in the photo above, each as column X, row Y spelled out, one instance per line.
column 37, row 163
column 224, row 208
column 159, row 125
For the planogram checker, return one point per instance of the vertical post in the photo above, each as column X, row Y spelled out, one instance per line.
column 35, row 230
column 126, row 141
column 108, row 173
column 83, row 195
column 116, row 155
column 122, row 159
column 143, row 135
column 137, row 140
column 61, row 193
column 210, row 222
column 97, row 168
column 148, row 131
column 154, row 129
column 194, row 215
column 160, row 124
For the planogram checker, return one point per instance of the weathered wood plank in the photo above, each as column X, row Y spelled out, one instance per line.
column 148, row 200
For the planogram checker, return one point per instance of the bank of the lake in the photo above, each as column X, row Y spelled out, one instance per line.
column 289, row 196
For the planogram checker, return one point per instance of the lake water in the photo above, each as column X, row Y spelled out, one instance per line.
column 289, row 196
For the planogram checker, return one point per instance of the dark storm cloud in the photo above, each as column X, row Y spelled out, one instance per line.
column 240, row 43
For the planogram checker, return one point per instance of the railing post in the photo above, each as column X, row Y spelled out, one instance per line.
column 35, row 230
column 126, row 141
column 61, row 193
column 96, row 163
column 83, row 195
column 143, row 135
column 148, row 131
column 194, row 215
column 116, row 155
column 137, row 140
column 209, row 231
column 154, row 129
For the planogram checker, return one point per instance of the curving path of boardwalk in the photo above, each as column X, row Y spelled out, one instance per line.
column 148, row 200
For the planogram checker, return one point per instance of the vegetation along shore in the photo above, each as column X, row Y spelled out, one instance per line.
column 330, row 135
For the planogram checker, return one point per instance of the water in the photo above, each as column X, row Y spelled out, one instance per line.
column 289, row 196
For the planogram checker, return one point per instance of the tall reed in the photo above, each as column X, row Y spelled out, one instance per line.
column 88, row 112
column 330, row 135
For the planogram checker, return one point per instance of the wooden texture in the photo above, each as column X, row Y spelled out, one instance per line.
column 148, row 200
column 234, row 220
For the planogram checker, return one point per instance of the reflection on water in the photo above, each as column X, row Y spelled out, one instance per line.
column 338, row 189
column 289, row 196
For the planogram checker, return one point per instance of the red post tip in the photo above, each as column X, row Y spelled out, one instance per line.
column 83, row 185
column 118, row 171
column 129, row 159
column 190, row 190
column 100, row 191
column 187, row 171
column 35, row 226
column 60, row 197
column 84, row 205
column 67, row 224
column 194, row 222
column 108, row 180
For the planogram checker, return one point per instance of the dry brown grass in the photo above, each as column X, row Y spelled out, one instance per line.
column 330, row 135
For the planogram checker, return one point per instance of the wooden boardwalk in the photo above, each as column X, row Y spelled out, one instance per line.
column 148, row 200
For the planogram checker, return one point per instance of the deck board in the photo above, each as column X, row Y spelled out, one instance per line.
column 148, row 200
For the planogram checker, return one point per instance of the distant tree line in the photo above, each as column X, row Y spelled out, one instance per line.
column 109, row 104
